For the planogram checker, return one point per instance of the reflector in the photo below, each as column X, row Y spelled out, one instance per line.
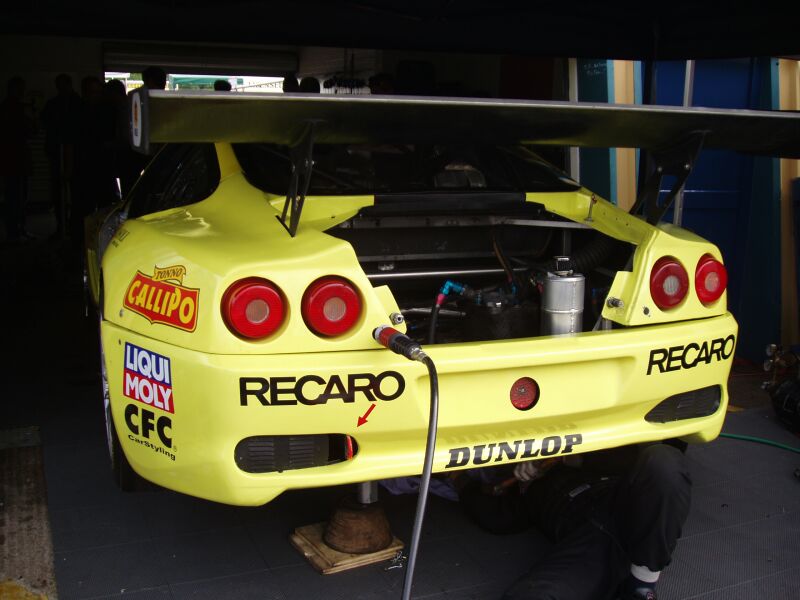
column 524, row 393
column 334, row 309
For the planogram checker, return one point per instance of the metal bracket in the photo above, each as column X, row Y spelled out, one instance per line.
column 301, row 156
column 676, row 160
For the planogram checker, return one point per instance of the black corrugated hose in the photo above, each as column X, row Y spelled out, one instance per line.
column 425, row 482
column 404, row 346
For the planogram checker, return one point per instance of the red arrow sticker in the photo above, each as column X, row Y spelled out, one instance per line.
column 362, row 420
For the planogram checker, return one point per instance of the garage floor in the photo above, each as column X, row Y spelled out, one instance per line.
column 741, row 540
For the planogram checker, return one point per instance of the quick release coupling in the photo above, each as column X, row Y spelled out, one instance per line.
column 399, row 343
column 453, row 287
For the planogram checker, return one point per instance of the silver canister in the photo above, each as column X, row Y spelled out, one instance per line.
column 562, row 303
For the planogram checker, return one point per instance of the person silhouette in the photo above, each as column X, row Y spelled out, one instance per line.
column 15, row 159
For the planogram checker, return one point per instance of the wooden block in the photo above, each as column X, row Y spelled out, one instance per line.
column 308, row 540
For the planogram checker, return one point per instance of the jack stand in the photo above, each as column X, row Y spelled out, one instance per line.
column 357, row 535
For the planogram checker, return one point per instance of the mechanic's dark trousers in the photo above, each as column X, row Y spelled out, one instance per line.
column 57, row 190
column 633, row 519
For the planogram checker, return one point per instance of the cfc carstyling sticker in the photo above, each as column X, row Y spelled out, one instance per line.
column 162, row 298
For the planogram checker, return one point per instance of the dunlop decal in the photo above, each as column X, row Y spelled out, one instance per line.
column 162, row 298
column 483, row 454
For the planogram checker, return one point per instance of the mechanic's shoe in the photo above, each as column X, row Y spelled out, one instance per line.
column 639, row 593
column 636, row 589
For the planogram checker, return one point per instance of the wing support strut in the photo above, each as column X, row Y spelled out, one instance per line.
column 676, row 160
column 301, row 156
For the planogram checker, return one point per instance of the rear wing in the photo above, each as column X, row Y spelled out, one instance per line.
column 673, row 135
column 284, row 118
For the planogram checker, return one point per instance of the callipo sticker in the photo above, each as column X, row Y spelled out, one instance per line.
column 162, row 298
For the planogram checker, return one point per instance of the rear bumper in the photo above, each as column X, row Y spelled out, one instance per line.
column 180, row 431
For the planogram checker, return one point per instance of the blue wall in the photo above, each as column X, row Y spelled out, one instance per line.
column 598, row 165
column 734, row 199
column 730, row 199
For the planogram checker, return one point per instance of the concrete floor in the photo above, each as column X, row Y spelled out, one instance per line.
column 740, row 542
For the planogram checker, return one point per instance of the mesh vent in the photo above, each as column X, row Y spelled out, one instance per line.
column 689, row 405
column 270, row 453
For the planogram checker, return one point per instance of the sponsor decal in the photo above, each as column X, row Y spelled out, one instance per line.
column 155, row 448
column 162, row 298
column 313, row 390
column 145, row 426
column 483, row 454
column 148, row 378
column 176, row 273
column 689, row 356
column 119, row 237
column 136, row 125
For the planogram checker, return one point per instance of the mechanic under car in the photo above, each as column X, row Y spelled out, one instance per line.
column 614, row 517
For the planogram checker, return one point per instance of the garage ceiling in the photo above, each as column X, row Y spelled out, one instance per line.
column 584, row 28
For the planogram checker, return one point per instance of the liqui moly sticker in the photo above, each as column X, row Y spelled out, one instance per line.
column 148, row 378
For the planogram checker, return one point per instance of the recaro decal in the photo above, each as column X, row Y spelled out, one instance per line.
column 313, row 390
column 482, row 454
column 689, row 356
column 162, row 298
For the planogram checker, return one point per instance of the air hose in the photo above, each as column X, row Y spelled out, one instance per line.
column 405, row 346
column 434, row 318
column 449, row 287
column 748, row 438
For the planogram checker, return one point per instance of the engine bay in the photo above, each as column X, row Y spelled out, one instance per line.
column 484, row 266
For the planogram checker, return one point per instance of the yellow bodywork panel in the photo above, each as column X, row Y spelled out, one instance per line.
column 233, row 234
column 185, row 391
column 632, row 287
column 595, row 391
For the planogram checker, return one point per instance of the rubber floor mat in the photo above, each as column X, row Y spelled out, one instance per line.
column 26, row 551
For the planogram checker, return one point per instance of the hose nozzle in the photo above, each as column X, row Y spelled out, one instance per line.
column 397, row 342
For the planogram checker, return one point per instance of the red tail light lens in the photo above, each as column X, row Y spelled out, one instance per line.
column 710, row 279
column 668, row 282
column 524, row 393
column 253, row 308
column 331, row 306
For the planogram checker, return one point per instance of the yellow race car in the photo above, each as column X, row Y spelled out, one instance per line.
column 241, row 283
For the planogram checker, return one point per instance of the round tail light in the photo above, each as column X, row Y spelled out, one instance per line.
column 710, row 279
column 331, row 306
column 668, row 282
column 524, row 393
column 253, row 308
